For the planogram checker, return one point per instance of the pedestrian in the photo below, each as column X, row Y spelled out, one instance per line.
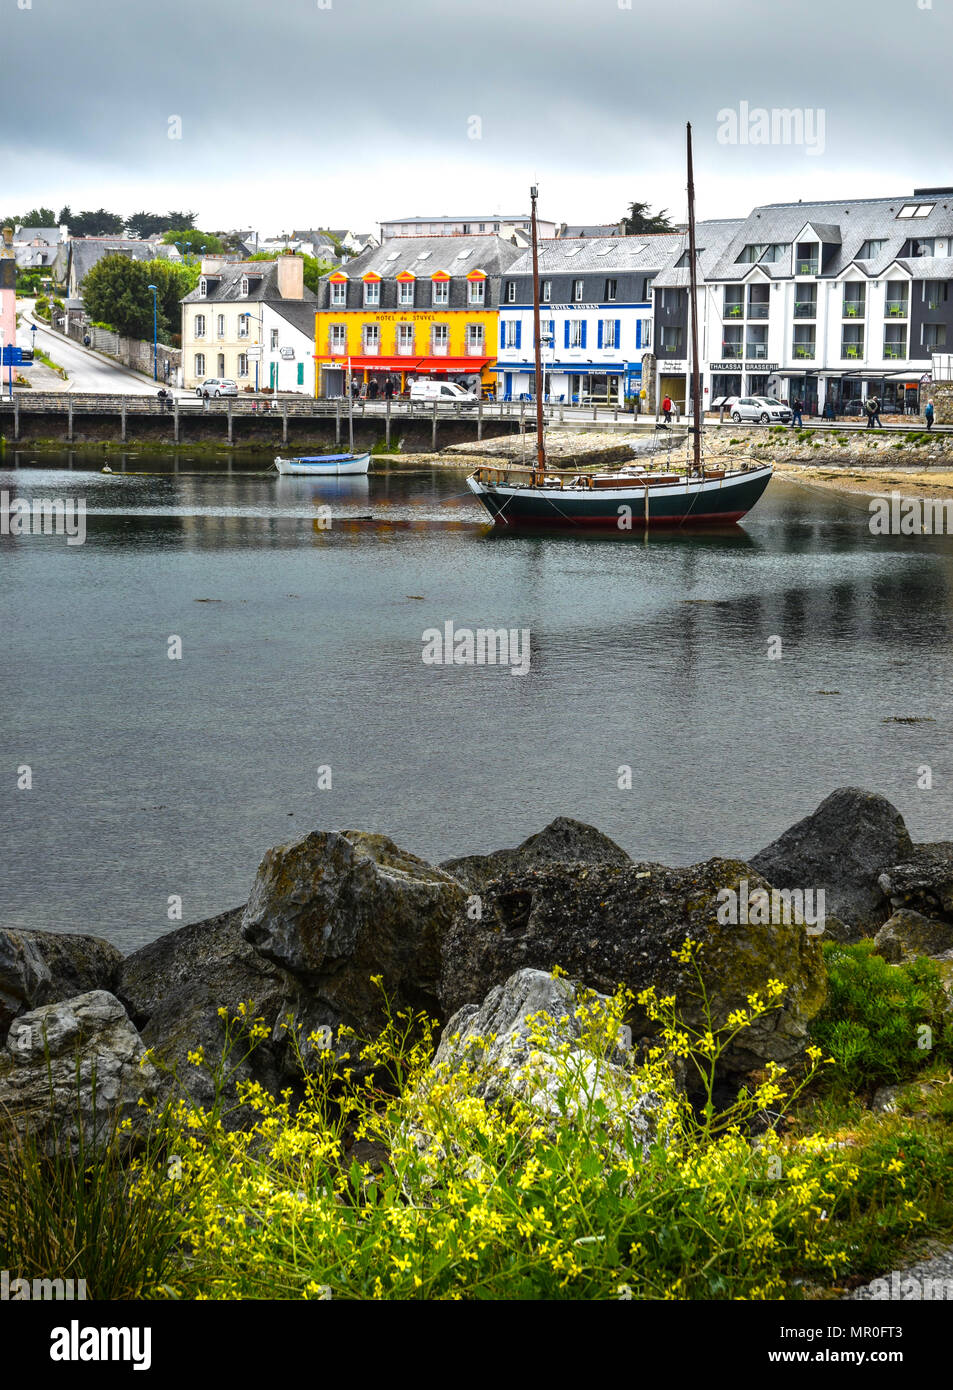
column 872, row 407
column 929, row 413
column 796, row 408
column 389, row 388
column 372, row 389
column 667, row 410
column 829, row 409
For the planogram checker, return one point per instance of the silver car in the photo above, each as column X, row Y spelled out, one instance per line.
column 764, row 410
column 217, row 386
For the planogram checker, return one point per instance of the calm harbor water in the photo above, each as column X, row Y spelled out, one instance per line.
column 301, row 647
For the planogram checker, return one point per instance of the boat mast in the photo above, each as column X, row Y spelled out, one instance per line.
column 693, row 272
column 539, row 476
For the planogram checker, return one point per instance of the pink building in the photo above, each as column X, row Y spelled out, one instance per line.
column 8, row 282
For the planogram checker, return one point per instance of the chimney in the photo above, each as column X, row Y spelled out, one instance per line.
column 291, row 276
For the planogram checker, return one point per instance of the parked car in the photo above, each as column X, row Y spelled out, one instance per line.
column 217, row 386
column 427, row 390
column 763, row 410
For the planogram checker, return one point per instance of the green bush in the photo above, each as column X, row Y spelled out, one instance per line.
column 872, row 1024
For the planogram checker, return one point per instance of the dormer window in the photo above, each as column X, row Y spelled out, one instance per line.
column 244, row 290
column 203, row 287
column 806, row 258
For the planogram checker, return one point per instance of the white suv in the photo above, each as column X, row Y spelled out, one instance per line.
column 217, row 386
column 763, row 409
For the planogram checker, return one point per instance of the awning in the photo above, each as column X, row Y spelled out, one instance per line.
column 405, row 364
column 590, row 369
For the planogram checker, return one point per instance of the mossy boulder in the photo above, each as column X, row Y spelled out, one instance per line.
column 43, row 967
column 908, row 934
column 607, row 925
column 563, row 841
column 336, row 908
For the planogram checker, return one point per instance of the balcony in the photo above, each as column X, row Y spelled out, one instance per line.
column 756, row 350
column 734, row 311
column 805, row 309
column 895, row 350
column 671, row 347
column 853, row 309
column 896, row 308
column 731, row 351
column 803, row 350
column 806, row 266
column 852, row 351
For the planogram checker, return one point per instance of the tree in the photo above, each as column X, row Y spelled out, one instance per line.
column 192, row 242
column 146, row 224
column 39, row 217
column 99, row 223
column 642, row 219
column 66, row 217
column 116, row 291
column 314, row 270
column 173, row 282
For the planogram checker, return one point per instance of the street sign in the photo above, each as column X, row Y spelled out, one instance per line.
column 253, row 352
column 12, row 356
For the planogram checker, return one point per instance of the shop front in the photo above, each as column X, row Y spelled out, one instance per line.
column 370, row 375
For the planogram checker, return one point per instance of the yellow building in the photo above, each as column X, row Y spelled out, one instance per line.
column 413, row 307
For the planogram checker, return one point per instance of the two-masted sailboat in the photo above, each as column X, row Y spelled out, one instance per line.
column 635, row 495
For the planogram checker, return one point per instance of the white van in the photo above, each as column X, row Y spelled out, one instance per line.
column 427, row 390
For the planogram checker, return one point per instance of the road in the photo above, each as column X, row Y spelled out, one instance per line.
column 87, row 371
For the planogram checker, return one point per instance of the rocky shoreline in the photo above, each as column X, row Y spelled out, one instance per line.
column 331, row 910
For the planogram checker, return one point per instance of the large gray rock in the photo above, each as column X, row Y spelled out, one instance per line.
column 922, row 880
column 175, row 986
column 843, row 847
column 79, row 1062
column 608, row 926
column 908, row 934
column 334, row 909
column 526, row 1041
column 563, row 841
column 41, row 967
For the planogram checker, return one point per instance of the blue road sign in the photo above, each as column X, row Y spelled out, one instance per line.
column 12, row 356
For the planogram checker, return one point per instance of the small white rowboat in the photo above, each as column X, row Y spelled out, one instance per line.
column 319, row 465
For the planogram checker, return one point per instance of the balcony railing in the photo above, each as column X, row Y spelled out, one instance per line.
column 372, row 349
column 405, row 349
column 670, row 348
column 758, row 309
column 803, row 350
column 805, row 309
column 756, row 350
column 896, row 308
column 730, row 351
column 893, row 350
column 734, row 311
column 806, row 267
column 440, row 349
column 854, row 351
column 853, row 309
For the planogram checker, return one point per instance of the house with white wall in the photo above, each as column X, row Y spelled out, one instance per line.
column 595, row 317
column 250, row 320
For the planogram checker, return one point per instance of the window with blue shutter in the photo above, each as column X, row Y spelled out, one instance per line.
column 599, row 335
column 638, row 333
column 583, row 333
column 502, row 334
column 519, row 332
column 618, row 334
column 566, row 338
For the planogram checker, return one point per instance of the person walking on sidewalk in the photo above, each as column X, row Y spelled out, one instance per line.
column 796, row 408
column 872, row 407
column 929, row 413
column 667, row 409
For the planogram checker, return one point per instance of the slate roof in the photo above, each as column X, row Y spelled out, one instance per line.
column 49, row 235
column 857, row 220
column 492, row 254
column 299, row 313
column 596, row 229
column 225, row 286
column 85, row 252
column 565, row 255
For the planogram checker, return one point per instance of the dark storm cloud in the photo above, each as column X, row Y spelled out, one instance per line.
column 283, row 103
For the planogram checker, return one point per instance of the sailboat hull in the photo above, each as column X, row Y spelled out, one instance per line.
column 714, row 501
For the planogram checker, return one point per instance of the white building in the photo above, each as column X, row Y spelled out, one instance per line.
column 484, row 223
column 595, row 318
column 827, row 302
column 252, row 321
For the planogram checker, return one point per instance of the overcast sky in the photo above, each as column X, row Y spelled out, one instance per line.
column 343, row 112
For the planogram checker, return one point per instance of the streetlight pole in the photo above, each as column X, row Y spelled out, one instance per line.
column 155, row 332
